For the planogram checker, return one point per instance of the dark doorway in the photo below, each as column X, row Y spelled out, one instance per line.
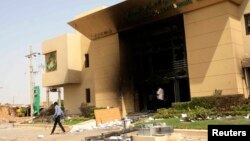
column 153, row 56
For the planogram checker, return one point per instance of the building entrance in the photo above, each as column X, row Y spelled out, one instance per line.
column 153, row 56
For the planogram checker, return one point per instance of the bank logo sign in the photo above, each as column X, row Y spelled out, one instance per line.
column 51, row 63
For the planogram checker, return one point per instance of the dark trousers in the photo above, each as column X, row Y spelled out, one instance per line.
column 162, row 104
column 57, row 120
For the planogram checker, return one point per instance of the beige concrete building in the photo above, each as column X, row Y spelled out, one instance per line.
column 119, row 56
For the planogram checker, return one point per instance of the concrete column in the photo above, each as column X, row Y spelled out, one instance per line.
column 247, row 82
column 47, row 98
column 124, row 112
column 177, row 90
column 59, row 96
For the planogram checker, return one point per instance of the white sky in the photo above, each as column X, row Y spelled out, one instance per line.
column 25, row 23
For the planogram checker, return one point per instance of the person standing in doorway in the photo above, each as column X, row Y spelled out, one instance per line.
column 57, row 116
column 160, row 97
column 160, row 94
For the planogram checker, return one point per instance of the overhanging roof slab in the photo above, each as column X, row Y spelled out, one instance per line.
column 132, row 13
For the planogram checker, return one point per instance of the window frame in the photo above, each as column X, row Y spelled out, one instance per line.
column 86, row 63
column 247, row 23
column 88, row 95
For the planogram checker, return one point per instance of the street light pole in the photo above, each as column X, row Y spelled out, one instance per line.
column 30, row 56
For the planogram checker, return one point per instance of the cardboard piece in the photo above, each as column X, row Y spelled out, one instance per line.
column 107, row 115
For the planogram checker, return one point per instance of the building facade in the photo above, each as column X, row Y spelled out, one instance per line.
column 120, row 55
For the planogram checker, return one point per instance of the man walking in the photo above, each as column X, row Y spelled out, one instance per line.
column 58, row 114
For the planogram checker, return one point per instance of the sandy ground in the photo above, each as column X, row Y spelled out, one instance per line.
column 193, row 135
column 10, row 133
column 42, row 134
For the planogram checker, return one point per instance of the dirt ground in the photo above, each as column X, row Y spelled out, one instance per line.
column 10, row 133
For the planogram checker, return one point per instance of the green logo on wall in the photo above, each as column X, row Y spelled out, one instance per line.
column 51, row 63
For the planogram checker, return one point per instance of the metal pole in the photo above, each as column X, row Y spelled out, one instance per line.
column 31, row 85
column 30, row 56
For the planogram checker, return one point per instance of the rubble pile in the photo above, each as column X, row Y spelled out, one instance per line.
column 91, row 125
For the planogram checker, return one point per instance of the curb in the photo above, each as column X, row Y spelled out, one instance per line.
column 190, row 130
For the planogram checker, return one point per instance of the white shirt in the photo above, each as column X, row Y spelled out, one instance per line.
column 58, row 111
column 160, row 94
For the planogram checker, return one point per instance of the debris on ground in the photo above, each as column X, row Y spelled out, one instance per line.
column 40, row 136
column 91, row 125
column 107, row 115
column 247, row 116
column 184, row 118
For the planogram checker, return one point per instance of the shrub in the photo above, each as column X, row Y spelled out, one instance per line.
column 167, row 113
column 199, row 113
column 217, row 92
column 202, row 107
column 220, row 103
column 224, row 103
column 243, row 107
column 205, row 102
column 24, row 111
column 87, row 111
column 181, row 105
